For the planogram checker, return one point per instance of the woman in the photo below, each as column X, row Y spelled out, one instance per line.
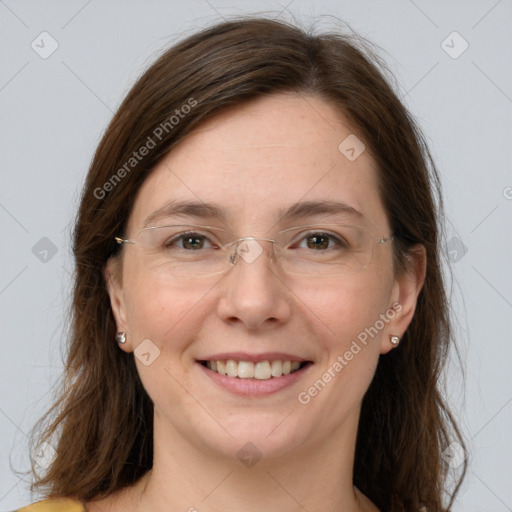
column 259, row 315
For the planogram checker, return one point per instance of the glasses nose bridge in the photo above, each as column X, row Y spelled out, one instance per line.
column 250, row 251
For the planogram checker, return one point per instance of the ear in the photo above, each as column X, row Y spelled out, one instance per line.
column 404, row 296
column 112, row 275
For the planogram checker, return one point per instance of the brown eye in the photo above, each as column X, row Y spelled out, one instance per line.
column 318, row 241
column 193, row 242
column 187, row 241
column 321, row 241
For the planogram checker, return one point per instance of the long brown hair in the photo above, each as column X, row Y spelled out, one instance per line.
column 102, row 420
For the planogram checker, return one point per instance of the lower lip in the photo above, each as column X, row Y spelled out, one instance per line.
column 254, row 387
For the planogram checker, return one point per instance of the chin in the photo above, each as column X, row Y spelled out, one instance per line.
column 254, row 436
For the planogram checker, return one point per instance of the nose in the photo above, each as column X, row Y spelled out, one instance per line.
column 253, row 292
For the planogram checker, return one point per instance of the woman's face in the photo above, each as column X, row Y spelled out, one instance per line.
column 254, row 163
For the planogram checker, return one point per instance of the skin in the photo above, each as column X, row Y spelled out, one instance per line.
column 252, row 160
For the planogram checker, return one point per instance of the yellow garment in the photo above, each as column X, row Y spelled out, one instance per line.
column 54, row 505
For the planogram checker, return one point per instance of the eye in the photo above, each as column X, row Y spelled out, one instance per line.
column 189, row 241
column 320, row 240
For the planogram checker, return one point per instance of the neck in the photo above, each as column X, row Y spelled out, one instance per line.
column 313, row 478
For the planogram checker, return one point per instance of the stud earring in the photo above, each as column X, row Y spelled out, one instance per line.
column 395, row 340
column 121, row 337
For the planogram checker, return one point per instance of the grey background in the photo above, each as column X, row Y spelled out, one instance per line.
column 54, row 111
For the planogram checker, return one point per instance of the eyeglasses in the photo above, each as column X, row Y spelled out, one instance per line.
column 191, row 251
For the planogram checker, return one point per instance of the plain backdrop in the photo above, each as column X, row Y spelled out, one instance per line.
column 452, row 61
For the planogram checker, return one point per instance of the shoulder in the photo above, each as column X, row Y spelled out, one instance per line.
column 54, row 505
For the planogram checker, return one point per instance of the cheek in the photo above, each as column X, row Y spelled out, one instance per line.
column 170, row 316
column 161, row 310
column 350, row 314
column 342, row 311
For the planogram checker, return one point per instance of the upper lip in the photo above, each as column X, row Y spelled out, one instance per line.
column 254, row 358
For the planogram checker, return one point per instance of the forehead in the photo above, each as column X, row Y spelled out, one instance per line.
column 256, row 159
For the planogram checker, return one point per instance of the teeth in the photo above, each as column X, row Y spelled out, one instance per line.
column 221, row 367
column 277, row 369
column 262, row 370
column 231, row 368
column 246, row 370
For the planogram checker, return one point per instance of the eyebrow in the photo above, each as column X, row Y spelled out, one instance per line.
column 209, row 211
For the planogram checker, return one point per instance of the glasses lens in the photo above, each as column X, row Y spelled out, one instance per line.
column 197, row 251
column 324, row 250
column 185, row 250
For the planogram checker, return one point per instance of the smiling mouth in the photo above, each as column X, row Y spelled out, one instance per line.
column 262, row 370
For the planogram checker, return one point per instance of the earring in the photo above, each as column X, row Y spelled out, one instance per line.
column 395, row 340
column 121, row 337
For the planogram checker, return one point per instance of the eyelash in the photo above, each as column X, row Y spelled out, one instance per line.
column 193, row 234
column 182, row 236
column 340, row 242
